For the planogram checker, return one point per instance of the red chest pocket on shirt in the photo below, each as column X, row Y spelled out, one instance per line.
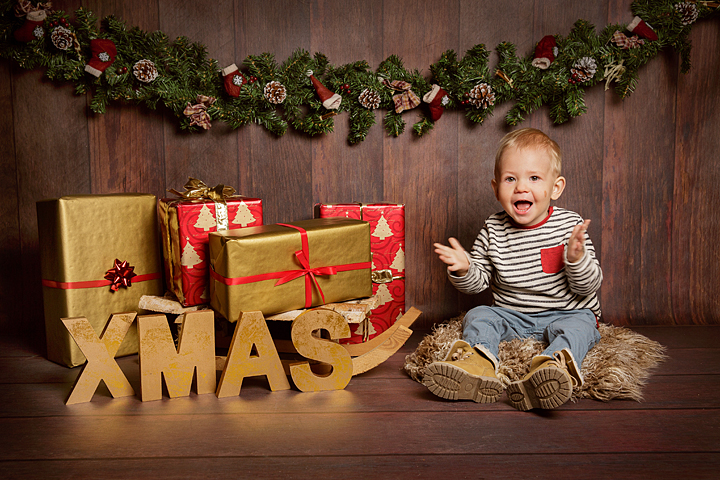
column 552, row 259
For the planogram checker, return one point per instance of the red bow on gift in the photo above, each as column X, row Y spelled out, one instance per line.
column 303, row 257
column 120, row 275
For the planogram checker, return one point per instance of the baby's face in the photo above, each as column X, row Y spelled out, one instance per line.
column 525, row 184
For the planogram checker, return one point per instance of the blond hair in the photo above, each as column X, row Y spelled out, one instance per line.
column 530, row 138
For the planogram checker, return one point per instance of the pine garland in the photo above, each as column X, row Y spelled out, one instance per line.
column 184, row 71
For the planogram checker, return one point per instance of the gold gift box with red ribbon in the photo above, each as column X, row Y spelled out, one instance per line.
column 98, row 255
column 282, row 267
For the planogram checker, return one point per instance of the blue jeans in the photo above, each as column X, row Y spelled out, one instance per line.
column 575, row 330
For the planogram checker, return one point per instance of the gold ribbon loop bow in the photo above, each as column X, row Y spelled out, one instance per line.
column 197, row 189
column 406, row 99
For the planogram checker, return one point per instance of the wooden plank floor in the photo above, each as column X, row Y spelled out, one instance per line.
column 383, row 425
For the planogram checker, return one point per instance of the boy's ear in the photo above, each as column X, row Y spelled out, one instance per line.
column 558, row 188
column 495, row 188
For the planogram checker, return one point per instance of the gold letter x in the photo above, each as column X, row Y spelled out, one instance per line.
column 100, row 353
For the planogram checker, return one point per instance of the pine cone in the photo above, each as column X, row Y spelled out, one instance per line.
column 369, row 99
column 275, row 92
column 145, row 71
column 62, row 38
column 482, row 96
column 688, row 12
column 584, row 69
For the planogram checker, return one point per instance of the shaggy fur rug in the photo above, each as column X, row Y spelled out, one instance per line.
column 617, row 367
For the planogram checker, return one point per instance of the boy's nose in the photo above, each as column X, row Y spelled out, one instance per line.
column 520, row 186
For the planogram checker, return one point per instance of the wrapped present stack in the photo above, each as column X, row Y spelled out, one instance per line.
column 186, row 222
column 387, row 244
column 99, row 254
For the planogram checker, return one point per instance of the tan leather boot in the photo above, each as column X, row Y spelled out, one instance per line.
column 548, row 385
column 463, row 375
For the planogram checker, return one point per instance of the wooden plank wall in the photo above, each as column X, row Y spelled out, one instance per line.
column 644, row 169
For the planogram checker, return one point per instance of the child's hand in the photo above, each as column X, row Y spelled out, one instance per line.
column 454, row 256
column 576, row 243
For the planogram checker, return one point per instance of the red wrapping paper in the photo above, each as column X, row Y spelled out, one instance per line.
column 387, row 245
column 185, row 226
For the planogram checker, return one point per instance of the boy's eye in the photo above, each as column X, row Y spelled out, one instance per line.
column 509, row 179
column 534, row 178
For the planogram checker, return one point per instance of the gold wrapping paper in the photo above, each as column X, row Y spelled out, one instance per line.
column 169, row 225
column 271, row 248
column 80, row 238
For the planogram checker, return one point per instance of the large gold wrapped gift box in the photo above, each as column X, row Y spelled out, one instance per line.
column 282, row 267
column 85, row 242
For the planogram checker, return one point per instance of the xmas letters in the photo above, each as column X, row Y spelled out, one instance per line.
column 195, row 355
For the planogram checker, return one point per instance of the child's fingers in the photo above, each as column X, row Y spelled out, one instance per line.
column 455, row 244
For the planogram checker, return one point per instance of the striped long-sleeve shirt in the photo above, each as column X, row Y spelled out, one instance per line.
column 527, row 267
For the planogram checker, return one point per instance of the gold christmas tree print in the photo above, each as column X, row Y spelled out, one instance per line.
column 361, row 329
column 382, row 230
column 190, row 258
column 399, row 261
column 383, row 295
column 205, row 220
column 244, row 216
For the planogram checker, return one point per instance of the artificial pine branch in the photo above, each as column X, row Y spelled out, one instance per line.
column 185, row 71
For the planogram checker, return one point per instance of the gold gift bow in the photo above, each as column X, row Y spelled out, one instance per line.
column 197, row 190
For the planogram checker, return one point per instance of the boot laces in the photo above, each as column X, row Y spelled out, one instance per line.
column 559, row 358
column 461, row 354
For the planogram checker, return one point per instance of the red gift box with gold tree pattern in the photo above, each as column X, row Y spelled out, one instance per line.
column 387, row 245
column 185, row 224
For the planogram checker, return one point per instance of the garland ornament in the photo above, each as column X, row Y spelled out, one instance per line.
column 330, row 100
column 613, row 71
column 198, row 113
column 306, row 92
column 406, row 99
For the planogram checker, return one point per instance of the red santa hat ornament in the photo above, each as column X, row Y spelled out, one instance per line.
column 642, row 29
column 103, row 55
column 545, row 52
column 436, row 99
column 330, row 100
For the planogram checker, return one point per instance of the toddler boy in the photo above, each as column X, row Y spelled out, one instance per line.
column 544, row 278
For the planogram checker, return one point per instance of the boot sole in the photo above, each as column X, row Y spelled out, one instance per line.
column 453, row 383
column 547, row 388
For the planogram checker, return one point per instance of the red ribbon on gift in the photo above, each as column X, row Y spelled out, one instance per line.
column 303, row 257
column 121, row 275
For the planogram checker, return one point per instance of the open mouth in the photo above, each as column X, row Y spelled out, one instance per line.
column 522, row 206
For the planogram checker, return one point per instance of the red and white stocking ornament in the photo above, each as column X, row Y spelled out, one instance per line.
column 33, row 28
column 642, row 29
column 545, row 52
column 330, row 100
column 436, row 99
column 103, row 55
column 233, row 80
